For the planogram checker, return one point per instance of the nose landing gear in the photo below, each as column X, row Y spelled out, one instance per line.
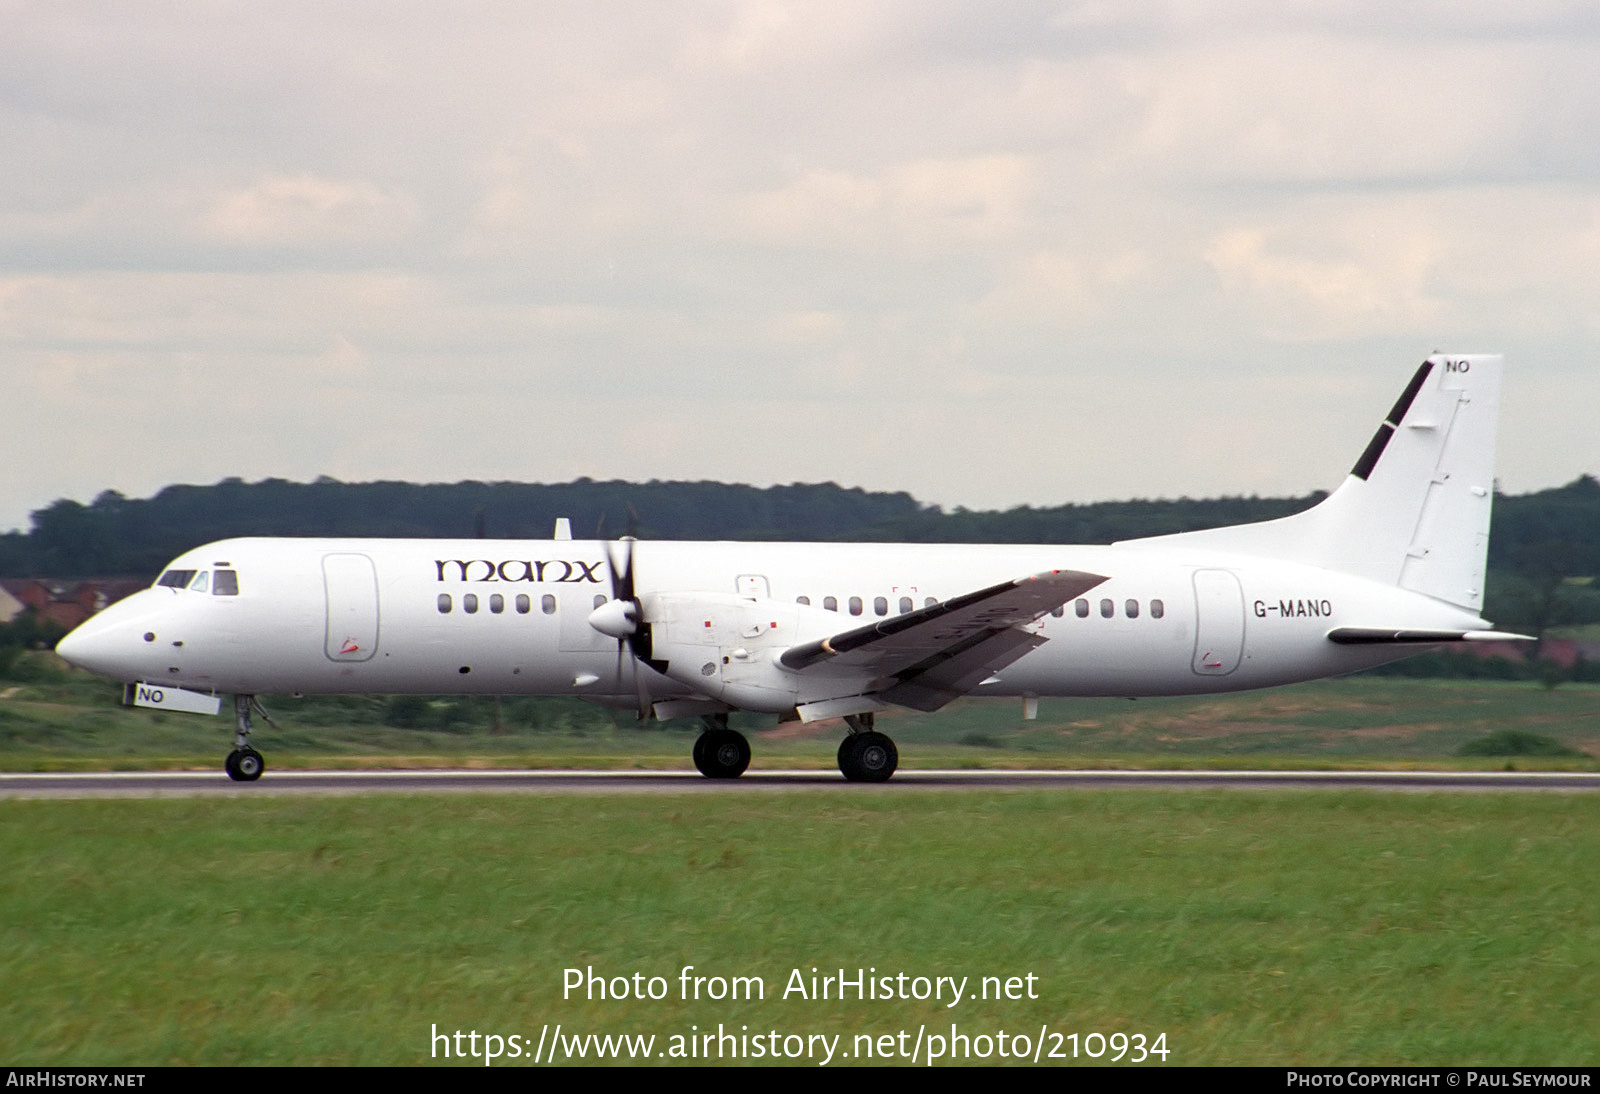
column 244, row 764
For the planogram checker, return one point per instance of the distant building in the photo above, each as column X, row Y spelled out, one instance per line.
column 10, row 606
column 64, row 603
column 1565, row 652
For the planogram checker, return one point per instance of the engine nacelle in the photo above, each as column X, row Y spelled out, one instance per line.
column 727, row 646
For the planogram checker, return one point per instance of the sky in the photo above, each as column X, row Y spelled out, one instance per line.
column 1027, row 253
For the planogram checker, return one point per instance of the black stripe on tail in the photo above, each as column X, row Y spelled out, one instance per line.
column 1380, row 439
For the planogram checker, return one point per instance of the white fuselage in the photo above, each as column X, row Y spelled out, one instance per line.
column 513, row 617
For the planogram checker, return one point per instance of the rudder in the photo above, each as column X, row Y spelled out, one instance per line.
column 1449, row 544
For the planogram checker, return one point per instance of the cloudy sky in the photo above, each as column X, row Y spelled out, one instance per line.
column 990, row 254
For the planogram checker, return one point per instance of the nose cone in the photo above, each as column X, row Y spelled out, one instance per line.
column 91, row 646
column 108, row 644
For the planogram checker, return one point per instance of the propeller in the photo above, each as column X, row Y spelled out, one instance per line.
column 622, row 618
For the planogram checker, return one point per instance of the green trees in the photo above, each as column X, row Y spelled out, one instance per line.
column 1539, row 544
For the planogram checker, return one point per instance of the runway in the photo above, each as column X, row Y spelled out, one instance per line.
column 173, row 784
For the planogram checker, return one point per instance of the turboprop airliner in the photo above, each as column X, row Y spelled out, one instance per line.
column 1390, row 563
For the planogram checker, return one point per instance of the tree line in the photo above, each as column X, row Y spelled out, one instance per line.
column 1543, row 544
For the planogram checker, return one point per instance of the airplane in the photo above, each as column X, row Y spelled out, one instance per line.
column 1390, row 564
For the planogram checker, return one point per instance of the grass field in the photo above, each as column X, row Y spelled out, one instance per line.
column 1249, row 927
column 68, row 721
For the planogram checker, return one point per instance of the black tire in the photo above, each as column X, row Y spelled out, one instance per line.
column 868, row 757
column 231, row 765
column 721, row 754
column 847, row 751
column 249, row 765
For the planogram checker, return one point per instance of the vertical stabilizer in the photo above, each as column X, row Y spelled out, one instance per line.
column 1414, row 510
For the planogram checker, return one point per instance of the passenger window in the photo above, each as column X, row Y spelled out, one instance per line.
column 1081, row 607
column 176, row 579
column 497, row 603
column 444, row 603
column 1108, row 608
column 1132, row 608
column 1059, row 610
column 469, row 603
column 599, row 599
column 802, row 600
column 905, row 604
column 880, row 605
column 1157, row 609
column 200, row 583
column 831, row 603
column 930, row 602
column 855, row 605
column 547, row 604
column 524, row 605
column 225, row 583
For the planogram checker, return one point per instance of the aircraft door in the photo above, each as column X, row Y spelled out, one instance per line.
column 351, row 584
column 1219, row 622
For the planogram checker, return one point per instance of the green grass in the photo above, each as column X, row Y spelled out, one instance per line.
column 1251, row 928
column 1516, row 742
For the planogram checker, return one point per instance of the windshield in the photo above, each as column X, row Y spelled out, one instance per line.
column 220, row 582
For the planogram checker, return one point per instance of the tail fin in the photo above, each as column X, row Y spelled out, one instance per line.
column 1414, row 510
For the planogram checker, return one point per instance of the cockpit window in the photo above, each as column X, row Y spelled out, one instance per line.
column 176, row 579
column 225, row 583
column 201, row 583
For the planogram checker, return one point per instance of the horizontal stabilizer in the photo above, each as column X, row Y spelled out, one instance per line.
column 1377, row 636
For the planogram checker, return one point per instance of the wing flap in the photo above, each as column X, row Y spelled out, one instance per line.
column 939, row 679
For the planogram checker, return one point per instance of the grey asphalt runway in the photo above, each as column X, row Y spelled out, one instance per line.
column 168, row 784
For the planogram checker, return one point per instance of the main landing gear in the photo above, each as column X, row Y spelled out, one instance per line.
column 720, row 752
column 866, row 756
column 244, row 764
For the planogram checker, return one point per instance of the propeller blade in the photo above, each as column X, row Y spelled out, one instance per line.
column 621, row 576
column 643, row 691
column 622, row 618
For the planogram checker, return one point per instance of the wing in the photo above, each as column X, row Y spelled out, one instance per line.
column 934, row 654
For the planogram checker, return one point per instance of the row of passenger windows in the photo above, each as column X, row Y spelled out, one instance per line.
column 1108, row 609
column 220, row 582
column 880, row 605
column 497, row 603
